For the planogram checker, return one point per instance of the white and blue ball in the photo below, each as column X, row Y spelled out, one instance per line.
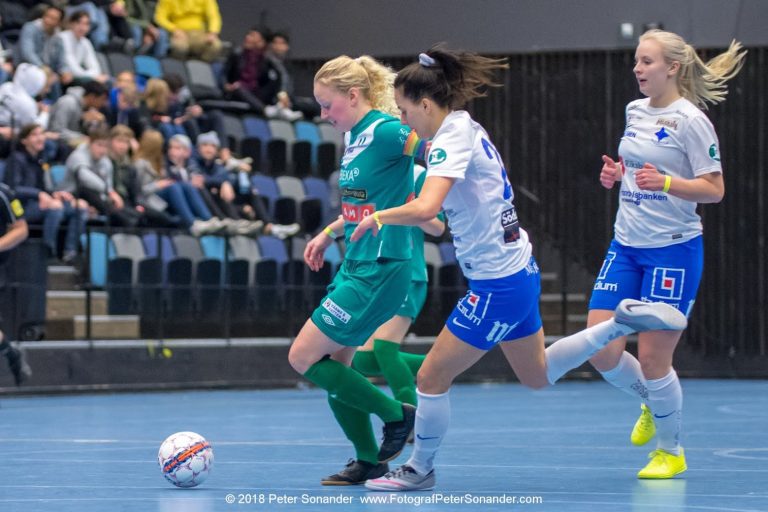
column 185, row 459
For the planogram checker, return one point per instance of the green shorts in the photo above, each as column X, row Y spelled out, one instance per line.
column 414, row 301
column 362, row 296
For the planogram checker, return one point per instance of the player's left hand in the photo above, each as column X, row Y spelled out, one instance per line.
column 648, row 177
column 367, row 224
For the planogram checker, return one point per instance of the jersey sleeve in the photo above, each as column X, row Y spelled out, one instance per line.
column 702, row 147
column 451, row 152
column 392, row 137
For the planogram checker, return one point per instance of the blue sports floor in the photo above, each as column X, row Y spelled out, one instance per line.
column 562, row 449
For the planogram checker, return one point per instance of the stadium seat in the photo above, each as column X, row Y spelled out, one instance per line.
column 202, row 81
column 176, row 67
column 119, row 62
column 147, row 66
column 267, row 189
column 235, row 131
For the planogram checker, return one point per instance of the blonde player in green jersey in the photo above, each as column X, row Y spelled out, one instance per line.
column 381, row 356
column 356, row 97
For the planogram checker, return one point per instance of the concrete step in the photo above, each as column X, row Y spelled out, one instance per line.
column 63, row 277
column 108, row 327
column 65, row 304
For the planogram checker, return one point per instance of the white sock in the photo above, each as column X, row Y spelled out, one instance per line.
column 665, row 400
column 568, row 353
column 628, row 377
column 432, row 418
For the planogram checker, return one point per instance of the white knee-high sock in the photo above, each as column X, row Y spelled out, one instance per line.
column 570, row 352
column 432, row 418
column 628, row 376
column 665, row 400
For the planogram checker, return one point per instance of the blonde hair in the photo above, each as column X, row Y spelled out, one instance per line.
column 151, row 150
column 373, row 79
column 157, row 94
column 699, row 82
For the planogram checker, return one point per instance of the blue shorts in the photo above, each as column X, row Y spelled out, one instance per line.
column 668, row 274
column 496, row 310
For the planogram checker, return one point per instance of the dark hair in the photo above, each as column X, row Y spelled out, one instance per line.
column 27, row 129
column 99, row 132
column 95, row 88
column 278, row 33
column 78, row 15
column 48, row 7
column 175, row 82
column 453, row 79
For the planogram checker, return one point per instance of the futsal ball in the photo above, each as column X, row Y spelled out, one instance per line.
column 185, row 459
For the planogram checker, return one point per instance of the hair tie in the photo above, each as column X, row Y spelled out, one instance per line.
column 426, row 61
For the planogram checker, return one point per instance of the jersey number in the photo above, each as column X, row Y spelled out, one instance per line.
column 491, row 152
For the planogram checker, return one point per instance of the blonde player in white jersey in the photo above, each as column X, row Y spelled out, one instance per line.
column 669, row 161
column 466, row 178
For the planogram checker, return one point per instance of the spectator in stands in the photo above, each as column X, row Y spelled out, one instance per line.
column 194, row 26
column 126, row 108
column 120, row 27
column 98, row 26
column 186, row 111
column 241, row 204
column 243, row 71
column 27, row 174
column 154, row 110
column 128, row 184
column 91, row 176
column 79, row 64
column 78, row 111
column 13, row 231
column 163, row 191
column 18, row 106
column 277, row 87
column 37, row 39
column 151, row 39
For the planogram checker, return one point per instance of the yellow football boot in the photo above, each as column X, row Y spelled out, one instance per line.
column 663, row 465
column 644, row 429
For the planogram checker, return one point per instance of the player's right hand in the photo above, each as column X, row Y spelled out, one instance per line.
column 314, row 252
column 610, row 173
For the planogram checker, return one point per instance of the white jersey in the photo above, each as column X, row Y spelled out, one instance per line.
column 486, row 233
column 680, row 141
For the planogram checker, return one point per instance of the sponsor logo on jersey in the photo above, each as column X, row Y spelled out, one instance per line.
column 661, row 135
column 606, row 287
column 630, row 134
column 637, row 197
column 349, row 174
column 437, row 156
column 669, row 123
column 714, row 154
column 607, row 262
column 632, row 163
column 356, row 212
column 468, row 307
column 357, row 193
column 500, row 331
column 511, row 225
column 336, row 310
column 668, row 283
column 328, row 320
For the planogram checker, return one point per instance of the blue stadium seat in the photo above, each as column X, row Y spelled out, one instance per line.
column 147, row 66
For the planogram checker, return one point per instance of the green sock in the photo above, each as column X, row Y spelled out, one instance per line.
column 413, row 361
column 353, row 389
column 365, row 362
column 358, row 429
column 395, row 370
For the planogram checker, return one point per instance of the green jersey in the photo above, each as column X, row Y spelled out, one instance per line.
column 376, row 174
column 418, row 264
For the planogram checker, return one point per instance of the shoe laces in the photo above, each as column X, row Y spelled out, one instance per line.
column 401, row 471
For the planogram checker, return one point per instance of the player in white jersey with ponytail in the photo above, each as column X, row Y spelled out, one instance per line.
column 669, row 161
column 467, row 179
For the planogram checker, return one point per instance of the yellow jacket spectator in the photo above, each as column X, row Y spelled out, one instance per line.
column 194, row 26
